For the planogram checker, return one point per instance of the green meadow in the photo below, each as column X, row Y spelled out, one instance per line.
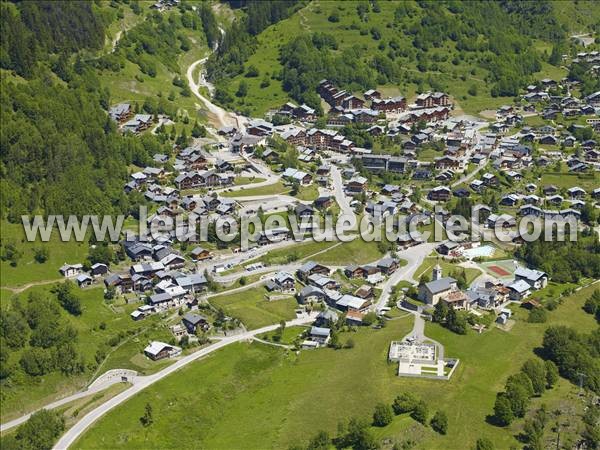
column 273, row 398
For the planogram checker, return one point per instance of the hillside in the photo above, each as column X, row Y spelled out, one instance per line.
column 478, row 52
column 62, row 68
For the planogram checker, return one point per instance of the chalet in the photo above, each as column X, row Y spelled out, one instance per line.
column 477, row 185
column 509, row 200
column 555, row 200
column 260, row 127
column 122, row 282
column 321, row 139
column 193, row 282
column 519, row 290
column 356, row 185
column 534, row 278
column 246, row 143
column 309, row 268
column 429, row 99
column 489, row 179
column 505, row 220
column 323, row 282
column 284, row 282
column 530, row 210
column 549, row 189
column 98, row 269
column 576, row 192
column 387, row 266
column 121, row 112
column 365, row 292
column 372, row 94
column 448, row 248
column 351, row 303
column 303, row 210
column 311, row 294
column 70, row 270
column 84, row 280
column 447, row 162
column 200, row 254
column 173, row 261
column 354, row 271
column 395, row 104
column 352, row 102
column 440, row 194
column 532, row 199
column 159, row 350
column 548, row 140
column 195, row 323
column 596, row 194
column 139, row 123
column 296, row 175
column 323, row 202
column 320, row 335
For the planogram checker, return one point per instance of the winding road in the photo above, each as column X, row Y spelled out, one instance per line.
column 140, row 383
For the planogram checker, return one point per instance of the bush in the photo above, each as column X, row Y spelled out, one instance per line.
column 439, row 422
column 383, row 415
column 484, row 444
column 537, row 315
column 420, row 413
column 404, row 403
column 503, row 411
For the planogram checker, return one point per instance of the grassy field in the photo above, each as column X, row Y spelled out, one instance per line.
column 354, row 252
column 288, row 336
column 588, row 182
column 27, row 269
column 267, row 395
column 297, row 252
column 247, row 180
column 308, row 193
column 26, row 393
column 271, row 189
column 251, row 307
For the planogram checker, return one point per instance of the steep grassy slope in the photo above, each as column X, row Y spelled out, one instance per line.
column 468, row 49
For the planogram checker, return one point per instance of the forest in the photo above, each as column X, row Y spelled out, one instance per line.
column 59, row 152
column 564, row 261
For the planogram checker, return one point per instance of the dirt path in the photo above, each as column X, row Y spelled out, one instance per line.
column 19, row 289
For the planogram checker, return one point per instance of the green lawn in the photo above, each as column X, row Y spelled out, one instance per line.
column 354, row 252
column 589, row 182
column 247, row 180
column 267, row 394
column 308, row 193
column 251, row 307
column 296, row 252
column 288, row 337
column 27, row 269
column 271, row 189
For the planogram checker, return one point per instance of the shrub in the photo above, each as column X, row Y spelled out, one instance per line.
column 383, row 415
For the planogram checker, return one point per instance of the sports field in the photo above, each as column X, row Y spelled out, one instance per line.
column 502, row 269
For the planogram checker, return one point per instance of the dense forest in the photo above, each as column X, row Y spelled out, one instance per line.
column 59, row 152
column 564, row 261
column 240, row 39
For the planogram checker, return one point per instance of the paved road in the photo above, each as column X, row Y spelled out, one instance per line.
column 340, row 196
column 414, row 257
column 104, row 381
column 141, row 383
